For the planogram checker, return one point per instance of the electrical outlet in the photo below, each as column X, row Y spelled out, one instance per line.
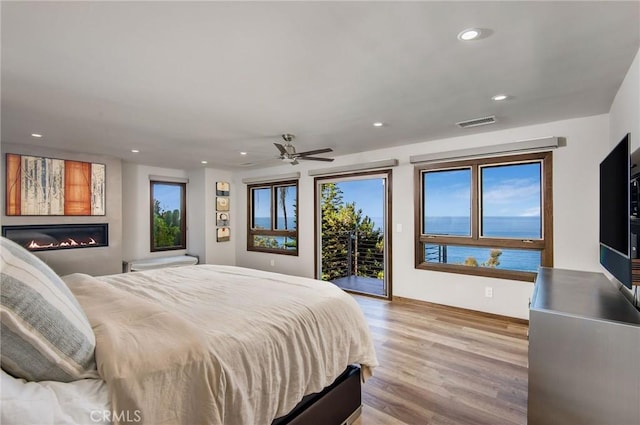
column 272, row 262
column 399, row 227
column 488, row 292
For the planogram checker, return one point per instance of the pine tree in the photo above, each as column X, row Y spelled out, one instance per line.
column 344, row 224
column 166, row 226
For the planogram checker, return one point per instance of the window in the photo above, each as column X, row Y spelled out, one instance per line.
column 168, row 216
column 273, row 217
column 487, row 217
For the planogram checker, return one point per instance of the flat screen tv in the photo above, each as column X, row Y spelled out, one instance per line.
column 615, row 228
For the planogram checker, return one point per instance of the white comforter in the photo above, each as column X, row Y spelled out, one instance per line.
column 257, row 341
column 84, row 402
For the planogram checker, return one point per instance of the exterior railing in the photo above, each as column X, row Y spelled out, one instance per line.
column 435, row 253
column 353, row 253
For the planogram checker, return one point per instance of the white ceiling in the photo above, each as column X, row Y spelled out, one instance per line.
column 184, row 82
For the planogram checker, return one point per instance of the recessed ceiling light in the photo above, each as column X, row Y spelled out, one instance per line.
column 36, row 135
column 203, row 162
column 135, row 150
column 499, row 97
column 378, row 124
column 469, row 34
column 243, row 153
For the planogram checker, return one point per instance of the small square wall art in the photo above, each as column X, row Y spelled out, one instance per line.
column 222, row 189
column 223, row 234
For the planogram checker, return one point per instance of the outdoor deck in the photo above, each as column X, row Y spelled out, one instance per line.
column 367, row 285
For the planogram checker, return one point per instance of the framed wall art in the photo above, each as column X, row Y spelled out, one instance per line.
column 222, row 188
column 223, row 234
column 222, row 219
column 222, row 203
column 48, row 186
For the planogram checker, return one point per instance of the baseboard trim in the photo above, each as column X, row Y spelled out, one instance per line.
column 403, row 300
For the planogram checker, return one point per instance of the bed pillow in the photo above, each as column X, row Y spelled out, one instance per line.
column 45, row 335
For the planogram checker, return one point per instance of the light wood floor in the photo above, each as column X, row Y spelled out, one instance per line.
column 440, row 365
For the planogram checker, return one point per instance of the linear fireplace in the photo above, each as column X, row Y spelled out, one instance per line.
column 45, row 237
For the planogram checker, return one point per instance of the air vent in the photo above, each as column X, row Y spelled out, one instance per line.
column 476, row 122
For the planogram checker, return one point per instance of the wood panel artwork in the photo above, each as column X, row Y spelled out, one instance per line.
column 77, row 188
column 48, row 186
column 98, row 194
column 12, row 191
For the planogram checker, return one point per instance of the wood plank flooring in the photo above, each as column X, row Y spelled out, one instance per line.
column 440, row 365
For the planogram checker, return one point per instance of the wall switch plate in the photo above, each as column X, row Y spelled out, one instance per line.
column 399, row 227
column 272, row 262
column 488, row 292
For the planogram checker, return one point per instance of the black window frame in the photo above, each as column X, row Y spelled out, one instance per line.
column 183, row 217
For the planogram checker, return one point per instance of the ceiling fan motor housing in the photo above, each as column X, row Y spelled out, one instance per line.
column 288, row 151
column 288, row 137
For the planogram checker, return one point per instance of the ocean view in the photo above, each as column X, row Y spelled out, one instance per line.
column 509, row 227
column 501, row 227
column 265, row 223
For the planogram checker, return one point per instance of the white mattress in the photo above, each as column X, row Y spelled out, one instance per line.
column 84, row 402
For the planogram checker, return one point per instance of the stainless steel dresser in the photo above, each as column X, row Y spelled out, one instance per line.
column 584, row 351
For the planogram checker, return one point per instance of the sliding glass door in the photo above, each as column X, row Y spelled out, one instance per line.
column 352, row 228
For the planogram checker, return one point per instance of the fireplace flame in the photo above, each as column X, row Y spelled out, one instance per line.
column 66, row 243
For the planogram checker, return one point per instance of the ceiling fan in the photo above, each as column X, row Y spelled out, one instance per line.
column 288, row 152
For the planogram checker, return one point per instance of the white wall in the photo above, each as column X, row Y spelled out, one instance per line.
column 136, row 209
column 202, row 217
column 201, row 237
column 575, row 188
column 624, row 116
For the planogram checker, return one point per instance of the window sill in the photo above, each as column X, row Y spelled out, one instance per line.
column 273, row 251
column 479, row 271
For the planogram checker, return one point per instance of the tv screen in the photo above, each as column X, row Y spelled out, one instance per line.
column 614, row 199
column 615, row 212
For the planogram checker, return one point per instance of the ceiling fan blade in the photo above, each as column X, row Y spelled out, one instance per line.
column 281, row 148
column 315, row 158
column 315, row 152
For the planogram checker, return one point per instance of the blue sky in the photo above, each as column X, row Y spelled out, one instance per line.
column 508, row 191
column 366, row 193
column 512, row 191
column 168, row 195
column 368, row 196
column 262, row 202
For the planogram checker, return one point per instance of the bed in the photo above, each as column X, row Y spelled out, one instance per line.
column 198, row 344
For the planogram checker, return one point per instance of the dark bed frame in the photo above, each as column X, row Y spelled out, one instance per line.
column 339, row 403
